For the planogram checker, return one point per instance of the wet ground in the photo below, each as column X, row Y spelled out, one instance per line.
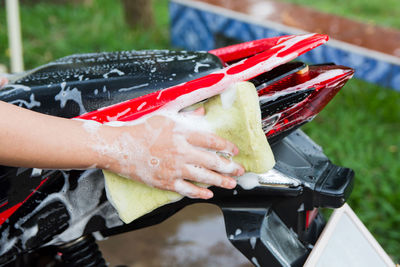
column 194, row 237
column 365, row 35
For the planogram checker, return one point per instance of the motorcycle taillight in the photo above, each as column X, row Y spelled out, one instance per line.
column 297, row 98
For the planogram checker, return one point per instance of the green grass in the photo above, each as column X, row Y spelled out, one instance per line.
column 358, row 129
column 53, row 31
column 385, row 13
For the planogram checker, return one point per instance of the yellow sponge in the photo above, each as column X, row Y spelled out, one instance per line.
column 234, row 115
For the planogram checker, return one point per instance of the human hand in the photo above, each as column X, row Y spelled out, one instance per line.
column 167, row 153
column 3, row 81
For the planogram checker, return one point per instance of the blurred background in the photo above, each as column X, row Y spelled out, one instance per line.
column 359, row 129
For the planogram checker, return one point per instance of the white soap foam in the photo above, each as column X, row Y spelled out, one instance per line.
column 36, row 172
column 303, row 86
column 159, row 94
column 5, row 243
column 133, row 87
column 141, row 106
column 117, row 71
column 27, row 234
column 228, row 97
column 186, row 57
column 67, row 94
column 255, row 261
column 199, row 65
column 248, row 180
column 120, row 114
column 253, row 241
column 90, row 126
column 98, row 236
column 238, row 232
column 31, row 104
column 81, row 204
column 154, row 162
column 11, row 88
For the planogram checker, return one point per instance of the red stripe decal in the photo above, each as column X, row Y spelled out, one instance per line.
column 7, row 213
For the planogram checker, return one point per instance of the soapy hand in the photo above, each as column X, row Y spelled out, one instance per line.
column 159, row 151
column 166, row 153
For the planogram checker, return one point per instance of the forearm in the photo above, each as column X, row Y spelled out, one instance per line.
column 31, row 139
column 158, row 151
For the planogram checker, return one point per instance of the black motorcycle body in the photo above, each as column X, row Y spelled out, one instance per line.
column 57, row 212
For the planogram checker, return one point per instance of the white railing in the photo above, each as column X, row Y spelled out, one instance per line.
column 14, row 36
